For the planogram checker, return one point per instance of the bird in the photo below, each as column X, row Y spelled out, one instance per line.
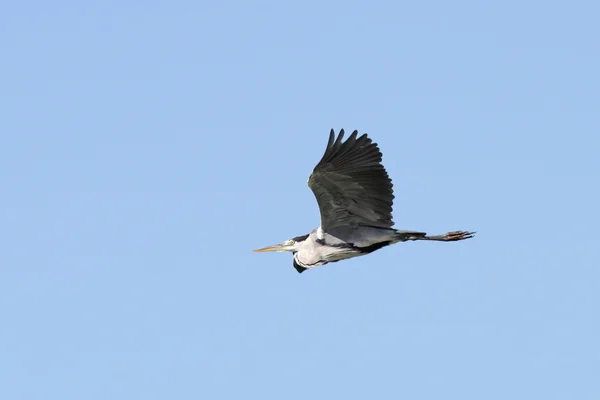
column 355, row 197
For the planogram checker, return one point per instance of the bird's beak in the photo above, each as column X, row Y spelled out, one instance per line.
column 275, row 247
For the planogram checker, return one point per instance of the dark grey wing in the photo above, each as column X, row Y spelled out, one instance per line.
column 351, row 185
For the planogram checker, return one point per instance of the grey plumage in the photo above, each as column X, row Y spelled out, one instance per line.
column 355, row 198
column 351, row 186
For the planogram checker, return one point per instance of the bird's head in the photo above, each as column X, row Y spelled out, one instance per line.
column 289, row 245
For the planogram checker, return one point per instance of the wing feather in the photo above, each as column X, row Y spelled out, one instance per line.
column 351, row 185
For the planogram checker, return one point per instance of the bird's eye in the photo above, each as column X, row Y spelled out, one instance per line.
column 289, row 242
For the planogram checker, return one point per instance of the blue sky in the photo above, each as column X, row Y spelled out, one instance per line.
column 147, row 147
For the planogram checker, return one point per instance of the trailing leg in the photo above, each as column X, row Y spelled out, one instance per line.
column 449, row 237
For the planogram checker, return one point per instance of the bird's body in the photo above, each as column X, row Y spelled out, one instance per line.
column 355, row 198
column 319, row 248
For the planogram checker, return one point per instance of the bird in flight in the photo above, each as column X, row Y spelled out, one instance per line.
column 355, row 197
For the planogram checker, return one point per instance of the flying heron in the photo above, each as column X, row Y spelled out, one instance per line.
column 355, row 198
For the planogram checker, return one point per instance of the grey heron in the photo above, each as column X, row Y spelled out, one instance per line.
column 355, row 197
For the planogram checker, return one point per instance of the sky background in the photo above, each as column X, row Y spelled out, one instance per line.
column 147, row 147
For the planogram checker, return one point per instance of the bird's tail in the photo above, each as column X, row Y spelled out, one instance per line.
column 403, row 236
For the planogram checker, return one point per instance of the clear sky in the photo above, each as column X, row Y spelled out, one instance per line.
column 147, row 147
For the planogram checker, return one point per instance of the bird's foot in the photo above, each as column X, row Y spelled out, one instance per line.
column 458, row 235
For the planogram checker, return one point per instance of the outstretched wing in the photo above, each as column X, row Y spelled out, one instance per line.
column 351, row 185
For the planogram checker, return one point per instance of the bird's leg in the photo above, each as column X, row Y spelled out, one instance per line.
column 449, row 237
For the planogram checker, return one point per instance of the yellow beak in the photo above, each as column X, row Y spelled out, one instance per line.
column 275, row 247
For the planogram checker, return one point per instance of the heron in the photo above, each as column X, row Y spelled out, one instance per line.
column 355, row 197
